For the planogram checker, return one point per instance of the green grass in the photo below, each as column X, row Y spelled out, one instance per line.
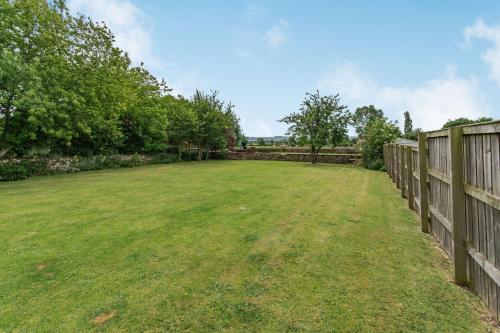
column 222, row 246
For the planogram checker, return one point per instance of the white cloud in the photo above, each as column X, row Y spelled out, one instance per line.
column 276, row 36
column 133, row 34
column 479, row 30
column 430, row 103
column 127, row 22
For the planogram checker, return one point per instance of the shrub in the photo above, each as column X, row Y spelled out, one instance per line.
column 163, row 158
column 133, row 161
column 218, row 155
column 13, row 171
column 378, row 133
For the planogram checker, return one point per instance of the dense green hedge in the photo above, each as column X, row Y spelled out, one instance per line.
column 24, row 168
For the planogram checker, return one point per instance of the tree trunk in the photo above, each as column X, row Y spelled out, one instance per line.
column 208, row 154
column 179, row 152
column 200, row 153
column 313, row 154
column 6, row 125
column 4, row 151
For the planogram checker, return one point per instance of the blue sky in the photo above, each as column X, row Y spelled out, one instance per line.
column 437, row 59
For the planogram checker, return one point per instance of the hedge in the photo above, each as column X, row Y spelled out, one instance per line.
column 18, row 169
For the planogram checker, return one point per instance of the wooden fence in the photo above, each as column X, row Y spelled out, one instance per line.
column 451, row 179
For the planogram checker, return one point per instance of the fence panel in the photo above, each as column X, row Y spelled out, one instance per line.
column 439, row 191
column 482, row 188
column 453, row 178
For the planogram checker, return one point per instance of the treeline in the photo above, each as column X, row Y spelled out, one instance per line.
column 66, row 89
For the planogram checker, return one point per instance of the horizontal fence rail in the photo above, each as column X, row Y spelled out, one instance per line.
column 451, row 179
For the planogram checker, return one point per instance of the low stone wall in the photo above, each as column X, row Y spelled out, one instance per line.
column 355, row 159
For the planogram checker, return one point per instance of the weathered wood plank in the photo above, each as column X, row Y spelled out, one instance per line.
column 492, row 271
column 402, row 168
column 481, row 195
column 437, row 133
column 496, row 227
column 492, row 127
column 495, row 159
column 409, row 177
column 441, row 219
column 458, row 204
column 487, row 163
column 422, row 164
column 441, row 176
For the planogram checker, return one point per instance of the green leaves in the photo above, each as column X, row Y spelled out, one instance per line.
column 378, row 132
column 66, row 88
column 322, row 121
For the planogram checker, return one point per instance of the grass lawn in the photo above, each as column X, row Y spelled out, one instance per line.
column 222, row 246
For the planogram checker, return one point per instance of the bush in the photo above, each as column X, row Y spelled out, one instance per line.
column 97, row 162
column 378, row 133
column 218, row 155
column 13, row 171
column 21, row 169
column 190, row 155
column 163, row 158
column 134, row 161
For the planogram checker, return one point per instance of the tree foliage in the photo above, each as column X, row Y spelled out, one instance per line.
column 65, row 88
column 408, row 123
column 379, row 132
column 321, row 121
column 465, row 121
column 363, row 116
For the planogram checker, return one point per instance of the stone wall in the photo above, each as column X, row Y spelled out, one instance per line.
column 354, row 159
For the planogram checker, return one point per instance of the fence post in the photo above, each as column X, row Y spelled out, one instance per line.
column 391, row 148
column 409, row 177
column 385, row 158
column 396, row 166
column 422, row 163
column 393, row 154
column 458, row 204
column 402, row 172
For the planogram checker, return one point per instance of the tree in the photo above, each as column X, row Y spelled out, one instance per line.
column 214, row 118
column 321, row 121
column 65, row 88
column 379, row 132
column 182, row 123
column 261, row 142
column 363, row 116
column 408, row 123
column 144, row 123
column 465, row 121
column 409, row 132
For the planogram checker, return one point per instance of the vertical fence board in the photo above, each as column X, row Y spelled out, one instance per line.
column 422, row 164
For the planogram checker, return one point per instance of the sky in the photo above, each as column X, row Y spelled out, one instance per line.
column 437, row 59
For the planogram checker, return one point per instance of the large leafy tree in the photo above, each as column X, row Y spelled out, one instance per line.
column 217, row 124
column 66, row 88
column 183, row 123
column 321, row 121
column 363, row 116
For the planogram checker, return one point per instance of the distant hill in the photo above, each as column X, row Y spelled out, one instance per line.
column 267, row 138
